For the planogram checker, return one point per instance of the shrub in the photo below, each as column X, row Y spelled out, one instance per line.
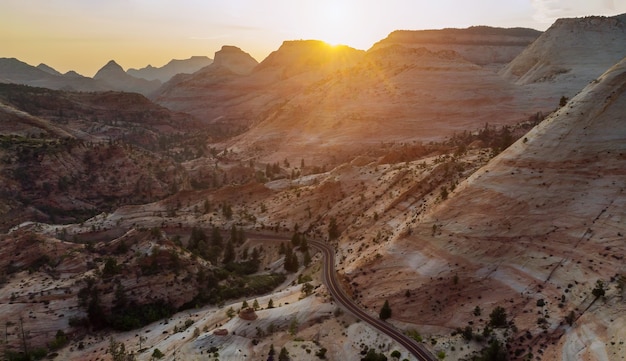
column 599, row 290
column 321, row 353
column 59, row 341
column 157, row 354
column 497, row 318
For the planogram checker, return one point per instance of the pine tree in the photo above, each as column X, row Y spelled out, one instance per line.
column 216, row 237
column 291, row 260
column 333, row 230
column 295, row 239
column 234, row 236
column 385, row 311
column 283, row 355
column 229, row 253
column 307, row 258
column 304, row 245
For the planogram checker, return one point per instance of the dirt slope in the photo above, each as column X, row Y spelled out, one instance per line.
column 542, row 221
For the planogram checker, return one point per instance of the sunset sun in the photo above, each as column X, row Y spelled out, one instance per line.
column 337, row 25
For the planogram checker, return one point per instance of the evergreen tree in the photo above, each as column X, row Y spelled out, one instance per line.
column 304, row 245
column 333, row 230
column 120, row 300
column 255, row 255
column 234, row 235
column 227, row 211
column 291, row 260
column 497, row 317
column 295, row 239
column 216, row 237
column 270, row 355
column 307, row 258
column 241, row 235
column 385, row 311
column 197, row 235
column 283, row 355
column 599, row 290
column 229, row 253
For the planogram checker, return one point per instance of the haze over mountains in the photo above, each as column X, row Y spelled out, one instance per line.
column 110, row 77
column 173, row 67
column 455, row 172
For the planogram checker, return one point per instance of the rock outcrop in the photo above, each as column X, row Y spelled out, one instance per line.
column 482, row 45
column 248, row 314
column 235, row 60
column 572, row 52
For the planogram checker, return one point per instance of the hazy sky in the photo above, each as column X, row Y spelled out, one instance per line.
column 83, row 35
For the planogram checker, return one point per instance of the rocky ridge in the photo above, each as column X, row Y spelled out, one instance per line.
column 482, row 45
column 555, row 57
column 173, row 67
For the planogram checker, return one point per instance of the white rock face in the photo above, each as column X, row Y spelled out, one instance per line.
column 573, row 51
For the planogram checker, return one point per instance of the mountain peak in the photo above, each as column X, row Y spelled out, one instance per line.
column 300, row 55
column 13, row 70
column 110, row 70
column 235, row 59
column 113, row 65
column 73, row 74
column 48, row 69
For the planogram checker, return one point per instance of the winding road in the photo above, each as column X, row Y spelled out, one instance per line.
column 335, row 289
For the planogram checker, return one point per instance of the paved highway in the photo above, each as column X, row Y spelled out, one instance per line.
column 335, row 289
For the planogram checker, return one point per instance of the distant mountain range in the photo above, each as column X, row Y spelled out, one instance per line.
column 175, row 66
column 109, row 77
column 118, row 79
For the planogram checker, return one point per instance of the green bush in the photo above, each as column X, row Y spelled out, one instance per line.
column 497, row 317
column 59, row 341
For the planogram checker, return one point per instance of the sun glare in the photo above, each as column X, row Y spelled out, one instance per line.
column 335, row 24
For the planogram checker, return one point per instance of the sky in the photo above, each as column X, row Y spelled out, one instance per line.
column 83, row 35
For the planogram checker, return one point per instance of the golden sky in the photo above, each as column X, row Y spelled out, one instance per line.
column 83, row 35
